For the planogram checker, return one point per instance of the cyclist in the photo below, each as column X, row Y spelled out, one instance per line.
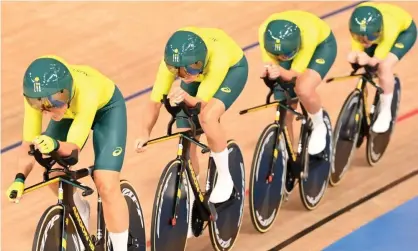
column 77, row 98
column 299, row 44
column 213, row 70
column 381, row 35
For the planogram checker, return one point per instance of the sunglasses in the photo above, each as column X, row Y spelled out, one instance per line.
column 369, row 38
column 183, row 71
column 56, row 100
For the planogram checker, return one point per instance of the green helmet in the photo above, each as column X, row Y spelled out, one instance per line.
column 366, row 21
column 185, row 48
column 282, row 38
column 47, row 82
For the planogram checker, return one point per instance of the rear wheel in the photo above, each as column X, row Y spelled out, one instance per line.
column 378, row 143
column 225, row 230
column 316, row 171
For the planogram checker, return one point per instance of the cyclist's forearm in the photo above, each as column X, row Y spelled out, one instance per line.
column 287, row 75
column 66, row 148
column 192, row 101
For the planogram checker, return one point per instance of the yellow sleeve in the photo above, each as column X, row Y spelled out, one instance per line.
column 304, row 56
column 81, row 126
column 356, row 46
column 218, row 68
column 163, row 82
column 384, row 47
column 32, row 122
column 265, row 56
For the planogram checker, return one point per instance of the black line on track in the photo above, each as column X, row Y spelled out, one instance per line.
column 343, row 210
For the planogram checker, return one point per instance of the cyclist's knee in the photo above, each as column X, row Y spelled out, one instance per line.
column 212, row 112
column 107, row 184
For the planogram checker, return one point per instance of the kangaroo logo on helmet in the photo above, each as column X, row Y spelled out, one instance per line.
column 176, row 57
column 36, row 85
column 277, row 45
column 363, row 25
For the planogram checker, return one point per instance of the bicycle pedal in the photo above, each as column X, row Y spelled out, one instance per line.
column 319, row 157
column 213, row 213
column 197, row 222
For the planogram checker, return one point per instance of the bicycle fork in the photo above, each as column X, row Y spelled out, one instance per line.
column 65, row 198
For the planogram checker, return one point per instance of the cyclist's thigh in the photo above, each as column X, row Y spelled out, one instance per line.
column 191, row 89
column 233, row 84
column 109, row 134
column 324, row 56
column 58, row 129
column 405, row 41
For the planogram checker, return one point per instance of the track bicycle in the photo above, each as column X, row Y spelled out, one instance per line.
column 170, row 215
column 355, row 121
column 61, row 227
column 276, row 167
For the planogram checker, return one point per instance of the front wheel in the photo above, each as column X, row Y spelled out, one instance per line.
column 48, row 234
column 168, row 233
column 345, row 136
column 266, row 196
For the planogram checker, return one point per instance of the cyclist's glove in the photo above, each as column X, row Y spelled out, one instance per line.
column 15, row 191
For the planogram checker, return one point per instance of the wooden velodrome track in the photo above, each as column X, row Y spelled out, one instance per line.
column 125, row 41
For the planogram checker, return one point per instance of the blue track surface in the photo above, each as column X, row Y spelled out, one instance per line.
column 396, row 230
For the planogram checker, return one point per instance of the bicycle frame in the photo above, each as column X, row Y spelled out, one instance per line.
column 66, row 182
column 282, row 107
column 185, row 140
column 365, row 78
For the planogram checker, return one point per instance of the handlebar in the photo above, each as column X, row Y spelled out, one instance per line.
column 65, row 162
column 368, row 75
column 190, row 112
column 48, row 162
column 271, row 84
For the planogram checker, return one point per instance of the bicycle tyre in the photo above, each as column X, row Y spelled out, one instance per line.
column 48, row 234
column 343, row 149
column 136, row 239
column 225, row 231
column 164, row 236
column 378, row 143
column 311, row 191
column 263, row 210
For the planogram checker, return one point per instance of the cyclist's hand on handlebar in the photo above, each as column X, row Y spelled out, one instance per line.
column 273, row 71
column 371, row 69
column 362, row 58
column 45, row 144
column 15, row 190
column 139, row 143
column 176, row 96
